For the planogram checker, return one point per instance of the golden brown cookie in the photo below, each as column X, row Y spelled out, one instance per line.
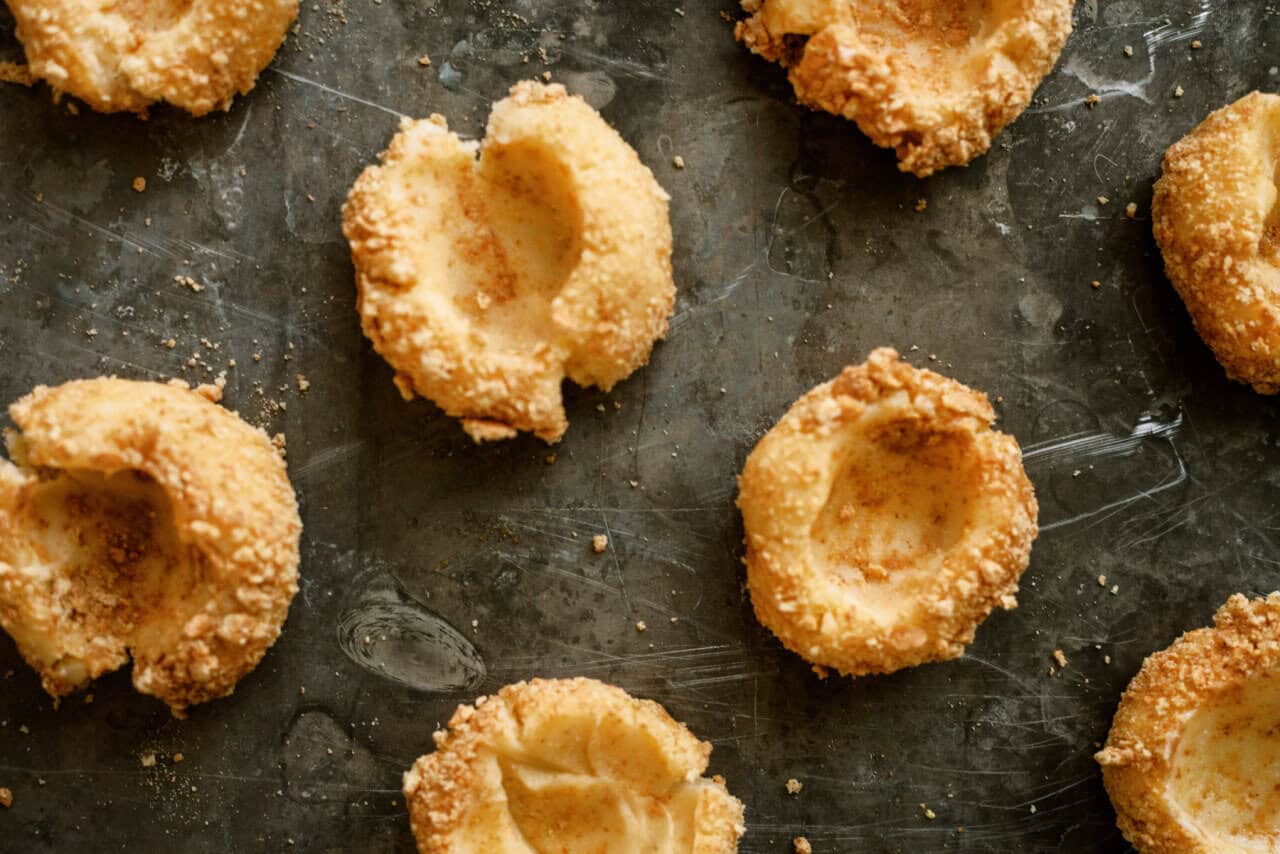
column 935, row 81
column 1216, row 216
column 141, row 520
column 884, row 519
column 568, row 765
column 125, row 55
column 487, row 274
column 1192, row 763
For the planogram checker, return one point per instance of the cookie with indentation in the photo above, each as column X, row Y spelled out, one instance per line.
column 568, row 765
column 1216, row 217
column 885, row 519
column 125, row 55
column 934, row 81
column 142, row 521
column 490, row 272
column 1192, row 763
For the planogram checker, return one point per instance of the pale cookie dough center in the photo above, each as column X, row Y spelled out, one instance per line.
column 150, row 15
column 112, row 544
column 1226, row 769
column 925, row 32
column 899, row 503
column 536, row 224
column 1270, row 245
column 585, row 784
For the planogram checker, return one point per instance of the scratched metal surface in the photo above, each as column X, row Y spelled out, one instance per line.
column 797, row 250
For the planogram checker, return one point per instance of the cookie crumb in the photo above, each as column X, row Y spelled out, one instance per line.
column 802, row 845
column 1095, row 284
column 928, row 813
column 640, row 626
column 1197, row 44
column 921, row 204
column 303, row 383
column 139, row 184
column 1128, row 50
column 599, row 543
column 148, row 760
column 6, row 798
column 1102, row 200
column 1102, row 581
column 424, row 60
column 178, row 757
column 1092, row 99
column 794, row 786
column 1131, row 210
column 677, row 162
column 1060, row 657
column 1178, row 91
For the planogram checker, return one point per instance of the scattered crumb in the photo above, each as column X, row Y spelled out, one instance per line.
column 599, row 543
column 1128, row 50
column 677, row 162
column 178, row 757
column 1106, row 659
column 1092, row 99
column 6, row 798
column 1102, row 200
column 303, row 383
column 928, row 813
column 1115, row 589
column 820, row 671
column 1059, row 657
column 546, row 75
column 794, row 786
column 1178, row 91
column 1102, row 581
column 148, row 760
column 1033, row 809
column 139, row 184
column 921, row 204
column 640, row 626
column 1131, row 210
column 1094, row 284
column 1196, row 44
column 424, row 60
column 550, row 459
column 802, row 845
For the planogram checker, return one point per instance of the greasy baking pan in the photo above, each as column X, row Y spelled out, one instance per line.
column 434, row 570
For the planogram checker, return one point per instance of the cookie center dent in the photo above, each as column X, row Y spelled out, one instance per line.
column 900, row 502
column 921, row 31
column 535, row 223
column 1226, row 768
column 114, row 553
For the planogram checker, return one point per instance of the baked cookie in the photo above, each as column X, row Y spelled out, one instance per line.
column 1192, row 763
column 141, row 520
column 488, row 273
column 125, row 55
column 884, row 519
column 1216, row 216
column 568, row 765
column 933, row 81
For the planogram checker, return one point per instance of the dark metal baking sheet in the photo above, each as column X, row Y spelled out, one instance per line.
column 798, row 249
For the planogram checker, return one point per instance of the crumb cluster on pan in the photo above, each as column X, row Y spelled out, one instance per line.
column 142, row 521
column 126, row 56
column 884, row 519
column 933, row 81
column 1192, row 763
column 568, row 765
column 488, row 274
column 1216, row 217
